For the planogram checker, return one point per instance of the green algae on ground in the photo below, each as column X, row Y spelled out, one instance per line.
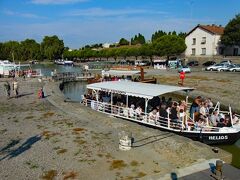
column 61, row 151
column 70, row 175
column 117, row 164
column 50, row 175
column 134, row 163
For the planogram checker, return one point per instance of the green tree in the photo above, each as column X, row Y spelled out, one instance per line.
column 123, row 42
column 30, row 49
column 157, row 35
column 169, row 45
column 231, row 35
column 138, row 39
column 52, row 47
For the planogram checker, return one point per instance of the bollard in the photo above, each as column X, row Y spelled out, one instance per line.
column 218, row 170
column 125, row 142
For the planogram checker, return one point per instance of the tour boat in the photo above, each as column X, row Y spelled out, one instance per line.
column 128, row 89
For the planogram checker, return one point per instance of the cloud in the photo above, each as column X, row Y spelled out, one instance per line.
column 25, row 15
column 46, row 2
column 100, row 12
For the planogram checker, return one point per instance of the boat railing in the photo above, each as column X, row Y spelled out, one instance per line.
column 183, row 124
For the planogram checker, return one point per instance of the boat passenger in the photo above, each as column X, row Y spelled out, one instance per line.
column 174, row 114
column 153, row 115
column 214, row 118
column 235, row 119
column 132, row 111
column 139, row 113
column 195, row 105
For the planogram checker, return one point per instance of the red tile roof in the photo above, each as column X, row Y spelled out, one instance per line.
column 213, row 29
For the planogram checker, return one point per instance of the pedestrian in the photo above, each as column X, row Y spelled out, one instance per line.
column 7, row 89
column 15, row 88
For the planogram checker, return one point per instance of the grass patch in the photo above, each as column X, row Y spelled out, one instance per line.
column 61, row 151
column 70, row 175
column 31, row 165
column 79, row 141
column 49, row 134
column 48, row 114
column 50, row 175
column 134, row 163
column 29, row 117
column 117, row 164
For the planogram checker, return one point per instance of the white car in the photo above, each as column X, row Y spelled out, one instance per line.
column 185, row 69
column 235, row 69
column 225, row 67
column 214, row 67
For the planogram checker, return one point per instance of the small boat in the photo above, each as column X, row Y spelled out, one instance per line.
column 64, row 62
column 136, row 75
column 126, row 89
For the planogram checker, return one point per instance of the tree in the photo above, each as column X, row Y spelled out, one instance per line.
column 138, row 39
column 169, row 45
column 52, row 47
column 30, row 49
column 123, row 42
column 157, row 35
column 231, row 35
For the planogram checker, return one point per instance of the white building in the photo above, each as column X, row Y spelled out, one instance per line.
column 205, row 40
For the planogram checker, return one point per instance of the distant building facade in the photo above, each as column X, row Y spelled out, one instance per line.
column 205, row 40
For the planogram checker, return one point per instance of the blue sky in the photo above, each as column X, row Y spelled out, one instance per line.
column 81, row 22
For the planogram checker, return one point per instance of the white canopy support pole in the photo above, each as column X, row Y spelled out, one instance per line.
column 97, row 96
column 127, row 101
column 186, row 118
column 168, row 117
column 146, row 104
column 111, row 102
column 230, row 114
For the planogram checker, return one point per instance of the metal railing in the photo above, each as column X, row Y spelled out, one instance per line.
column 183, row 124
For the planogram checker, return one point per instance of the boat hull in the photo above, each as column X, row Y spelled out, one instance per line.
column 212, row 138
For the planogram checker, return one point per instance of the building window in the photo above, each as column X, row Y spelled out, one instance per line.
column 193, row 51
column 194, row 41
column 203, row 51
column 203, row 40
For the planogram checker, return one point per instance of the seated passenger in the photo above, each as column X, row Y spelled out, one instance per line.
column 132, row 110
column 153, row 115
column 235, row 119
column 214, row 118
column 139, row 113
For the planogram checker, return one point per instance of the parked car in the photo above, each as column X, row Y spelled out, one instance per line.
column 192, row 63
column 185, row 69
column 225, row 67
column 209, row 63
column 235, row 69
column 226, row 62
column 214, row 67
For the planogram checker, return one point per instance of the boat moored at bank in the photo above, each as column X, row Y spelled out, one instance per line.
column 116, row 97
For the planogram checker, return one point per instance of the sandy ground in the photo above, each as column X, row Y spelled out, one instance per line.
column 70, row 141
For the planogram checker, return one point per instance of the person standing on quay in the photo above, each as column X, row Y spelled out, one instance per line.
column 15, row 88
column 7, row 89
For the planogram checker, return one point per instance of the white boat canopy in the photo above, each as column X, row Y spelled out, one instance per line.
column 119, row 73
column 138, row 89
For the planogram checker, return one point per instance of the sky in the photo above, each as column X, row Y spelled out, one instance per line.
column 82, row 22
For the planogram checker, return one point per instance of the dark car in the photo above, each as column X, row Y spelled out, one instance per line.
column 192, row 63
column 209, row 63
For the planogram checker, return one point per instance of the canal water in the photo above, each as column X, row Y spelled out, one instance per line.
column 74, row 90
column 46, row 69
